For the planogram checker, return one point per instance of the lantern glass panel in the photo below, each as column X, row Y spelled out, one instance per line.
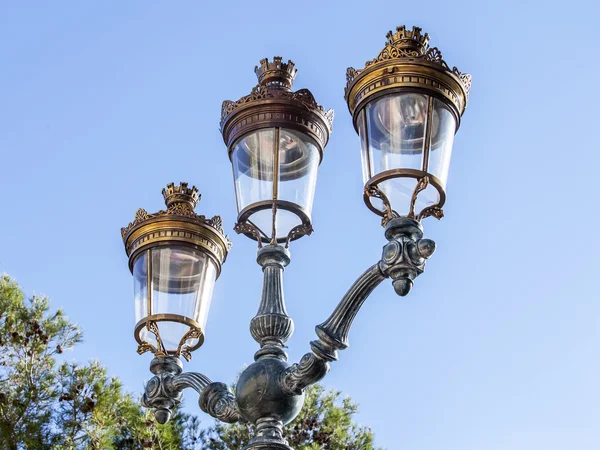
column 254, row 161
column 442, row 138
column 396, row 127
column 298, row 166
column 182, row 284
column 395, row 137
column 367, row 169
column 140, row 286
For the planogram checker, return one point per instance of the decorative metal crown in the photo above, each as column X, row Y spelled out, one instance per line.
column 276, row 73
column 410, row 39
column 272, row 103
column 181, row 194
column 178, row 223
column 406, row 61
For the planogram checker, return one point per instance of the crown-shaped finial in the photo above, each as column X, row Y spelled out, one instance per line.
column 408, row 39
column 182, row 194
column 276, row 74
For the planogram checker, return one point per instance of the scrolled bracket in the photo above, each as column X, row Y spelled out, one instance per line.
column 308, row 371
column 248, row 228
column 219, row 402
column 403, row 259
column 164, row 391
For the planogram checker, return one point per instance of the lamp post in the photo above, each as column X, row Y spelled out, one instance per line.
column 406, row 106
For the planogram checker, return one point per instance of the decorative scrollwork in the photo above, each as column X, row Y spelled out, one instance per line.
column 420, row 187
column 183, row 349
column 465, row 79
column 140, row 215
column 433, row 210
column 180, row 209
column 351, row 74
column 159, row 350
column 304, row 229
column 248, row 228
column 146, row 347
column 217, row 222
column 303, row 96
column 405, row 44
column 216, row 400
column 309, row 370
column 389, row 214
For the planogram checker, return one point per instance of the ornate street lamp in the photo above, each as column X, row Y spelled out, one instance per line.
column 175, row 257
column 406, row 105
column 275, row 138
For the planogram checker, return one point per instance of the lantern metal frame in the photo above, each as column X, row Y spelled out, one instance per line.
column 270, row 392
column 273, row 105
column 406, row 65
column 177, row 226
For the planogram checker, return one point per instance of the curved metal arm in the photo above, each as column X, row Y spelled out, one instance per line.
column 403, row 260
column 163, row 392
column 333, row 334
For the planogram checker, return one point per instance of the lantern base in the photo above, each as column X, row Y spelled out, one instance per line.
column 374, row 189
column 271, row 231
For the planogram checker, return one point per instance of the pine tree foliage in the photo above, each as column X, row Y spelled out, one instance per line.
column 325, row 423
column 47, row 403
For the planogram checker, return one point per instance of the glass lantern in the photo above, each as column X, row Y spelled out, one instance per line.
column 175, row 258
column 275, row 139
column 406, row 110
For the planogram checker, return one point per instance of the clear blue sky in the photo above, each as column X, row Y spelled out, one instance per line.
column 497, row 347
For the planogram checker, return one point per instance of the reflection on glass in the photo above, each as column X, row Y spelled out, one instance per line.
column 442, row 138
column 254, row 167
column 182, row 283
column 367, row 169
column 396, row 128
column 298, row 162
column 399, row 192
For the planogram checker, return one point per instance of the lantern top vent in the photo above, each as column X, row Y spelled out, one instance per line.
column 406, row 62
column 178, row 225
column 273, row 104
column 181, row 195
column 409, row 39
column 276, row 74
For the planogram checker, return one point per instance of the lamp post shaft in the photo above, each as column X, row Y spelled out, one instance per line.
column 272, row 327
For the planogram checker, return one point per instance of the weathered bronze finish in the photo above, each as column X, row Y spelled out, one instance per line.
column 273, row 104
column 372, row 190
column 150, row 323
column 180, row 226
column 406, row 65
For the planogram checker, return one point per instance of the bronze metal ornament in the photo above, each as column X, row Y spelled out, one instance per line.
column 273, row 105
column 406, row 65
column 180, row 226
column 150, row 323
